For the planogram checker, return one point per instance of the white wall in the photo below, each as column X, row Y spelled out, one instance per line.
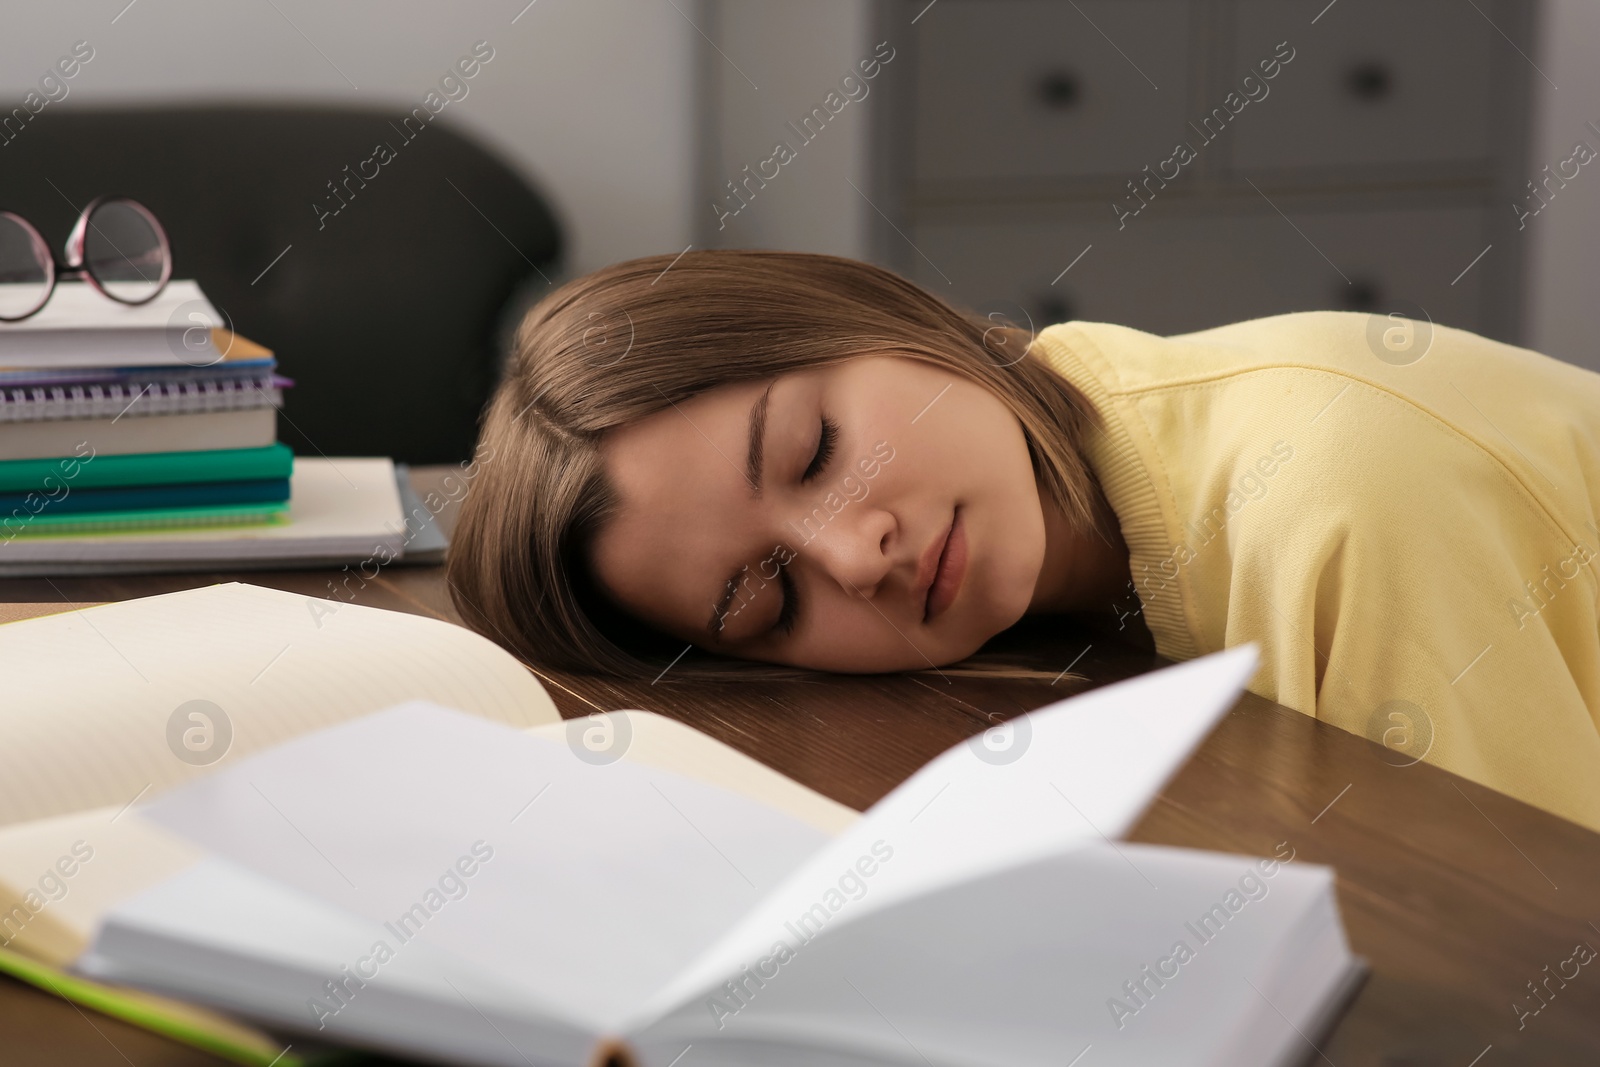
column 777, row 61
column 1562, row 291
column 593, row 99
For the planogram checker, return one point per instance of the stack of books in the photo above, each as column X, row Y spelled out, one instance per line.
column 121, row 418
column 140, row 438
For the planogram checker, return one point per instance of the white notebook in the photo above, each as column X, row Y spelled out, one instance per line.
column 345, row 508
column 138, row 396
column 98, row 714
column 78, row 327
column 424, row 881
column 194, row 431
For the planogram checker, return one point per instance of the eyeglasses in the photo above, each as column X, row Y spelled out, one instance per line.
column 117, row 246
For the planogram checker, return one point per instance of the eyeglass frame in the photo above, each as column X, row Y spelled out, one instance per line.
column 74, row 266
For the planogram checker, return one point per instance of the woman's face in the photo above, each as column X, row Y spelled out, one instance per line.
column 879, row 514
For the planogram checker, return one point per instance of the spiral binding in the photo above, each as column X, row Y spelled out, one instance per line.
column 39, row 403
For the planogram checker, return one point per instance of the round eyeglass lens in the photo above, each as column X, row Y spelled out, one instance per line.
column 24, row 268
column 125, row 251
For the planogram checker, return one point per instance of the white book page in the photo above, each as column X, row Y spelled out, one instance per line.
column 99, row 711
column 1030, row 966
column 59, row 876
column 225, row 937
column 1075, row 772
column 591, row 882
column 108, row 854
column 646, row 737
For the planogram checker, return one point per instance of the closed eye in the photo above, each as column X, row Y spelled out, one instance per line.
column 826, row 440
column 789, row 614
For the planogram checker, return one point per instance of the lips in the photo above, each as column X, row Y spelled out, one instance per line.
column 941, row 574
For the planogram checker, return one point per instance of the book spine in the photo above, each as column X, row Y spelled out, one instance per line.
column 147, row 519
column 158, row 468
column 136, row 398
column 145, row 497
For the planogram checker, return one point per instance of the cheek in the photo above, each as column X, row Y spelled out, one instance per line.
column 1006, row 525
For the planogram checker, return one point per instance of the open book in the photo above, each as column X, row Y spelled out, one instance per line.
column 100, row 713
column 437, row 883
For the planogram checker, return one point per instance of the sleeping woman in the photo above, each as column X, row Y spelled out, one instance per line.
column 808, row 462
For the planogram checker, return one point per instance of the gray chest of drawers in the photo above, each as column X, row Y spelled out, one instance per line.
column 1177, row 164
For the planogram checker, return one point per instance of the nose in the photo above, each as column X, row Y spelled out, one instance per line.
column 854, row 549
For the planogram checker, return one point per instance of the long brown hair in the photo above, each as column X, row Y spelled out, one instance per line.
column 631, row 339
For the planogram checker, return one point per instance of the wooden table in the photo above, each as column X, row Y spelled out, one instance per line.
column 1458, row 896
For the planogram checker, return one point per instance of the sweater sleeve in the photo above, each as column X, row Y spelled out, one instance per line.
column 1420, row 597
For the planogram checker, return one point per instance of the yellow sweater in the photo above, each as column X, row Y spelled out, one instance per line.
column 1410, row 539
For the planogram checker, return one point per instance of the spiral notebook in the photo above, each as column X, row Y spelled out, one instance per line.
column 142, row 395
column 111, row 436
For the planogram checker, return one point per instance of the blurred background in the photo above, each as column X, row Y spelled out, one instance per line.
column 1166, row 164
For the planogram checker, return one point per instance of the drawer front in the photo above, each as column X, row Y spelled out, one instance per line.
column 1372, row 82
column 1181, row 274
column 1042, row 88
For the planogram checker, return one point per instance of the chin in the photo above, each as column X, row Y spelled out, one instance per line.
column 994, row 620
column 1015, row 588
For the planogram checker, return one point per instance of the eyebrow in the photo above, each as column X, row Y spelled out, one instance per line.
column 758, row 441
column 755, row 451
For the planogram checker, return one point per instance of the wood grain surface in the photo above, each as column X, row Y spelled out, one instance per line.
column 1459, row 897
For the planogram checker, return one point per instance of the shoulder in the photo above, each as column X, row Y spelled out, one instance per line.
column 1130, row 360
column 1409, row 358
column 1371, row 401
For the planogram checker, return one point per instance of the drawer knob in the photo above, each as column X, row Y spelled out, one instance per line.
column 1368, row 81
column 1059, row 90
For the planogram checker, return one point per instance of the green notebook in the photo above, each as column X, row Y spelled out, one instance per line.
column 45, row 524
column 148, row 468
